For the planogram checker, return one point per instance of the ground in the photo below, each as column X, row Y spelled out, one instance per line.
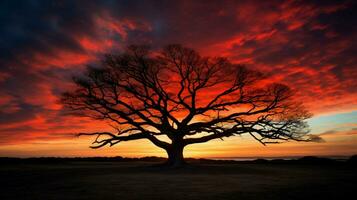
column 139, row 180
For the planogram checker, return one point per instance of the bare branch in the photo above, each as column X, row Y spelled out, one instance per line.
column 188, row 98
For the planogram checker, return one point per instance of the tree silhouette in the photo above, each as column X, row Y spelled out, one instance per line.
column 175, row 97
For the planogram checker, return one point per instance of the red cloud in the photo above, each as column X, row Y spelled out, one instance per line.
column 7, row 105
column 39, row 90
column 295, row 43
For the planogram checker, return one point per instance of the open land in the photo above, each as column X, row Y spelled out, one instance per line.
column 142, row 179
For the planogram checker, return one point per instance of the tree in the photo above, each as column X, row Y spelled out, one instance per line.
column 176, row 98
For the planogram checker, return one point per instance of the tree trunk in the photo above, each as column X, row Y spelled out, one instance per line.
column 175, row 156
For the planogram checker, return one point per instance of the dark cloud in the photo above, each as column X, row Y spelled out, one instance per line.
column 311, row 44
column 316, row 138
column 26, row 112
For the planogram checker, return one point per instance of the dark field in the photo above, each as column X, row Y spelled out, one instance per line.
column 204, row 180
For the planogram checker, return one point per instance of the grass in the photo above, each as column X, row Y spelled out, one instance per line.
column 140, row 180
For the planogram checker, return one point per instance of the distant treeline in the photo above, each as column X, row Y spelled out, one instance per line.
column 50, row 160
column 76, row 159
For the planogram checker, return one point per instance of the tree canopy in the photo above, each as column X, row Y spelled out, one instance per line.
column 188, row 98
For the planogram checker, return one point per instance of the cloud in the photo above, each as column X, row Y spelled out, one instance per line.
column 350, row 132
column 295, row 46
column 44, row 44
column 309, row 45
column 316, row 138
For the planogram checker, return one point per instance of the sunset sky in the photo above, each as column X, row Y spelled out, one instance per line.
column 309, row 45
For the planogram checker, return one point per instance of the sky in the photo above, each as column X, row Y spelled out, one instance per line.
column 308, row 45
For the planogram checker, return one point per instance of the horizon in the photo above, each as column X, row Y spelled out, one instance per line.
column 308, row 45
column 240, row 158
